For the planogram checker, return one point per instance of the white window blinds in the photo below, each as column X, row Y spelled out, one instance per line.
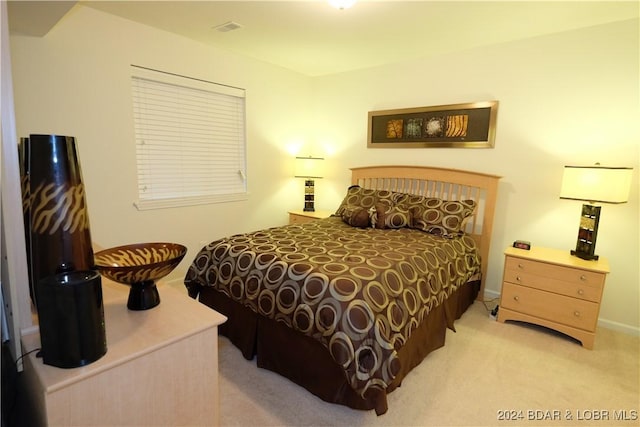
column 190, row 140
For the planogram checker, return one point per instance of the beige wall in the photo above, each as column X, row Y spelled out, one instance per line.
column 565, row 99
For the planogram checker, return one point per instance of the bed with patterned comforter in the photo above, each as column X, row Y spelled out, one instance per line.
column 362, row 296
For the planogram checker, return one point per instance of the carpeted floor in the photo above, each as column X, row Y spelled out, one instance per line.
column 488, row 374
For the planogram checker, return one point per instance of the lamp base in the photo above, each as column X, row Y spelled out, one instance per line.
column 584, row 255
column 587, row 232
column 309, row 196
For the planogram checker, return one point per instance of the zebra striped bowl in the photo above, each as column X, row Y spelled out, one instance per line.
column 140, row 265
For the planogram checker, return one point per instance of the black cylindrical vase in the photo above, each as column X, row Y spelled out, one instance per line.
column 59, row 234
column 60, row 238
column 71, row 316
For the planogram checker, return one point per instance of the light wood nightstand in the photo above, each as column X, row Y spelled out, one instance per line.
column 552, row 288
column 300, row 217
column 161, row 368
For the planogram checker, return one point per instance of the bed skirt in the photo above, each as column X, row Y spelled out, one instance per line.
column 310, row 365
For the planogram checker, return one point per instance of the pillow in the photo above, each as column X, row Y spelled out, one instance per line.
column 404, row 198
column 364, row 198
column 355, row 216
column 387, row 216
column 441, row 217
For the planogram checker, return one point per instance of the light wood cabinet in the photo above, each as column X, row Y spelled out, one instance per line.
column 161, row 368
column 552, row 288
column 300, row 217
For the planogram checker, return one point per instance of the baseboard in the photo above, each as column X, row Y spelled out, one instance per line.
column 620, row 327
column 491, row 295
column 603, row 323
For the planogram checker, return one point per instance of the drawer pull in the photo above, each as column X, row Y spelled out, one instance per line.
column 580, row 291
column 576, row 313
column 583, row 278
column 520, row 265
column 516, row 298
column 518, row 278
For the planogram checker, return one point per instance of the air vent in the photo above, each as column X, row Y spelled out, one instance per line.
column 227, row 26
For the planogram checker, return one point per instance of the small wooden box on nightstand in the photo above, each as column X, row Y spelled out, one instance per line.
column 552, row 288
column 300, row 217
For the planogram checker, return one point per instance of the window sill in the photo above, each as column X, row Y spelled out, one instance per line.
column 143, row 205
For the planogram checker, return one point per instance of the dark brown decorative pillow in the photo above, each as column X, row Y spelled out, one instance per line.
column 364, row 198
column 438, row 216
column 387, row 216
column 355, row 216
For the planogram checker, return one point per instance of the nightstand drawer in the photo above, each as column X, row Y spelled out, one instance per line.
column 567, row 274
column 585, row 291
column 586, row 285
column 558, row 308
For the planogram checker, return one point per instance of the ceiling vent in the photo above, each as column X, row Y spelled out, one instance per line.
column 227, row 26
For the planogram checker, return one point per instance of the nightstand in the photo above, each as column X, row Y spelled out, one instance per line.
column 161, row 368
column 552, row 288
column 300, row 217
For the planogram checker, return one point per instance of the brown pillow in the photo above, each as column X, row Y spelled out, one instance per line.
column 387, row 216
column 441, row 217
column 355, row 216
column 364, row 198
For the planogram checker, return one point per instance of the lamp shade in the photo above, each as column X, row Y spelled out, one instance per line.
column 309, row 167
column 596, row 183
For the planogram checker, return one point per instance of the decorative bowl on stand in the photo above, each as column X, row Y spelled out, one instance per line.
column 140, row 265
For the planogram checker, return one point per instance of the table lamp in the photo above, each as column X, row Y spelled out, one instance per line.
column 593, row 184
column 309, row 168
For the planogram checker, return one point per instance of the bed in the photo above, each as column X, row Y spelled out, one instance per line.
column 348, row 305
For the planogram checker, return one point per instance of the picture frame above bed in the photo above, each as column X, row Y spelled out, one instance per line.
column 470, row 125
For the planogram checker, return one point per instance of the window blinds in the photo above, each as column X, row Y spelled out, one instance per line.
column 190, row 140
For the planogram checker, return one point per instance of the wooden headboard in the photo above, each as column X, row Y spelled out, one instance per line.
column 446, row 184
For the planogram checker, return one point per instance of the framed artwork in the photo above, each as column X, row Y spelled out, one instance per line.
column 471, row 125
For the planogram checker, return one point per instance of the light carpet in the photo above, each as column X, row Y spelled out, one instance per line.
column 487, row 374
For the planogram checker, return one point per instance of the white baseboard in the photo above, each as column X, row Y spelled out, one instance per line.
column 620, row 327
column 490, row 295
column 604, row 323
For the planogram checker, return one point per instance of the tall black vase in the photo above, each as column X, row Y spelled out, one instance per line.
column 57, row 224
column 57, row 210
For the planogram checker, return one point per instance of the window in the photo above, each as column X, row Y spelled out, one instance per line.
column 190, row 140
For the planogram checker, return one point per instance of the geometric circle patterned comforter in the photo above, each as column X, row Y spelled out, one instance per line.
column 358, row 291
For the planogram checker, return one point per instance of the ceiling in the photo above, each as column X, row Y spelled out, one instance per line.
column 312, row 38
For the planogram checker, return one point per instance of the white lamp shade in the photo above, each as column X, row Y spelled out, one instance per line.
column 596, row 183
column 309, row 167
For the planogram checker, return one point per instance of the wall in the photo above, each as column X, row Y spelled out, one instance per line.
column 76, row 81
column 570, row 98
column 564, row 99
